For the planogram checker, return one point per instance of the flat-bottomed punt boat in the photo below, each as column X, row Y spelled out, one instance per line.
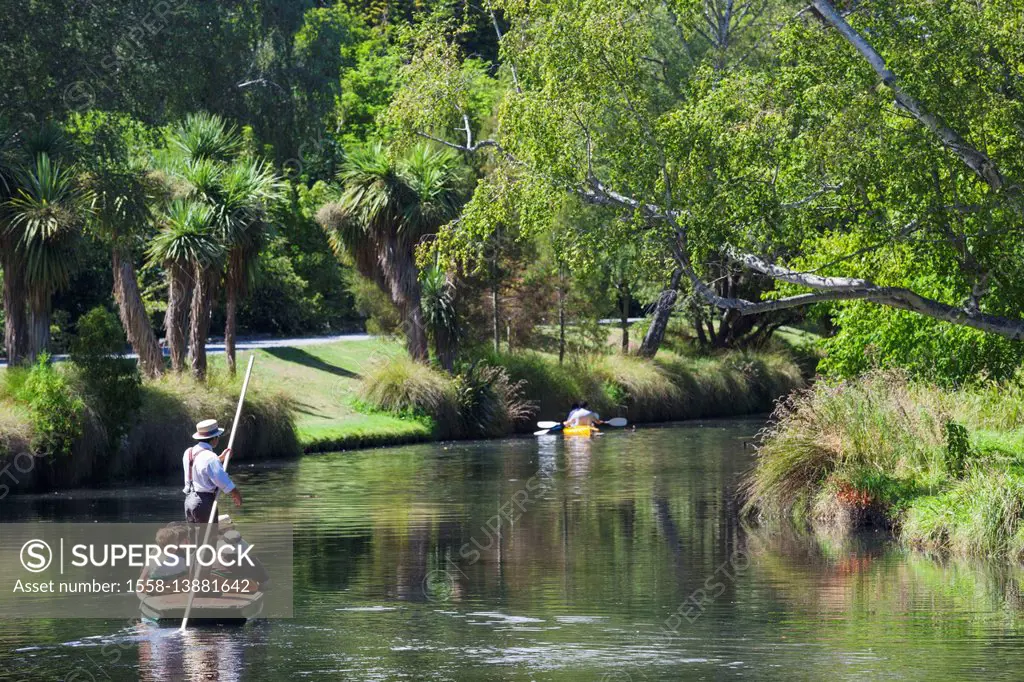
column 222, row 609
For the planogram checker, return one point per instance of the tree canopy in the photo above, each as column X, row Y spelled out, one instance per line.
column 865, row 152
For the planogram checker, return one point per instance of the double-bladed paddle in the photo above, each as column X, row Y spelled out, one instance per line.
column 555, row 427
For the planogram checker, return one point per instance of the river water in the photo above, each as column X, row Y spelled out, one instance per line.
column 616, row 558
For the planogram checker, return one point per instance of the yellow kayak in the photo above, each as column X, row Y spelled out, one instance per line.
column 581, row 430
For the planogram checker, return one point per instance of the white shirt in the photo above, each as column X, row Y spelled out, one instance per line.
column 584, row 417
column 207, row 473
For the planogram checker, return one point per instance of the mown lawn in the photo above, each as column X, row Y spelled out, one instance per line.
column 322, row 380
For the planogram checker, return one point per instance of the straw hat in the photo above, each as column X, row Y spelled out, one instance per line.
column 207, row 429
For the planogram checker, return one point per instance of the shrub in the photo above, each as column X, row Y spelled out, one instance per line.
column 55, row 413
column 489, row 402
column 958, row 448
column 871, row 336
column 111, row 383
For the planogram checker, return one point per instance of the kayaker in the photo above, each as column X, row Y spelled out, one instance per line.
column 583, row 416
column 572, row 411
column 204, row 473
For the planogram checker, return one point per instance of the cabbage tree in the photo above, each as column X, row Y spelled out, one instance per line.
column 45, row 218
column 387, row 203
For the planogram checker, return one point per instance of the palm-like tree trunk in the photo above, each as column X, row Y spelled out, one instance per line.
column 418, row 340
column 235, row 283
column 444, row 349
column 415, row 331
column 399, row 268
column 230, row 322
column 495, row 318
column 15, row 319
column 624, row 316
column 133, row 314
column 179, row 298
column 561, row 313
column 202, row 306
column 39, row 308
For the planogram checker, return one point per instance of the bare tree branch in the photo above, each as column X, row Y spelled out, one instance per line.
column 511, row 66
column 806, row 279
column 469, row 147
column 813, row 195
column 260, row 81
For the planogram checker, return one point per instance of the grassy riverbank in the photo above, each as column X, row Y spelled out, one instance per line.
column 59, row 438
column 509, row 392
column 322, row 382
column 943, row 467
column 351, row 394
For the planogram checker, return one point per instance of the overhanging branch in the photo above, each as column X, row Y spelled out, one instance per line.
column 976, row 160
column 845, row 289
column 470, row 148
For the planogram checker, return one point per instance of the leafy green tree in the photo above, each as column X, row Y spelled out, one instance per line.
column 121, row 214
column 123, row 196
column 892, row 131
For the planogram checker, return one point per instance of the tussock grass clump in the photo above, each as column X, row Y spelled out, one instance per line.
column 479, row 401
column 553, row 387
column 945, row 467
column 645, row 390
column 994, row 405
column 490, row 403
column 880, row 423
column 671, row 387
column 403, row 386
column 15, row 430
column 173, row 404
column 681, row 387
column 977, row 516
